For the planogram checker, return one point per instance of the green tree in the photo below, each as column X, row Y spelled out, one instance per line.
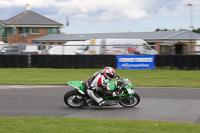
column 194, row 30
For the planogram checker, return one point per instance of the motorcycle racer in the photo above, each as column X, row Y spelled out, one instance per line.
column 99, row 82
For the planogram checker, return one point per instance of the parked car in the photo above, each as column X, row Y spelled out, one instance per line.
column 23, row 48
column 16, row 50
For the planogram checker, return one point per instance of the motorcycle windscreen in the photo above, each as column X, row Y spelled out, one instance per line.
column 77, row 84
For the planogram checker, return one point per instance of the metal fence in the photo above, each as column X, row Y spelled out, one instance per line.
column 165, row 49
column 189, row 62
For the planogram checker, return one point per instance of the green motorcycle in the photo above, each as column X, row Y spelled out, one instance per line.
column 123, row 87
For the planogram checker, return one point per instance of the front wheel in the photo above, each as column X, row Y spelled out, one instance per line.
column 74, row 99
column 131, row 102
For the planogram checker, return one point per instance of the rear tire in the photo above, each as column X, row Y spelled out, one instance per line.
column 133, row 101
column 74, row 99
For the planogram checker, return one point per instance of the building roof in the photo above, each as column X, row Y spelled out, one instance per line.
column 157, row 35
column 29, row 17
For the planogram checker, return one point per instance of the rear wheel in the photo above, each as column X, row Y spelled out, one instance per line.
column 131, row 102
column 74, row 99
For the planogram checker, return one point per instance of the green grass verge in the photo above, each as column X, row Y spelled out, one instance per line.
column 34, row 76
column 77, row 125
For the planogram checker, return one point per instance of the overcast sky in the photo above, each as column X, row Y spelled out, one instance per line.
column 107, row 16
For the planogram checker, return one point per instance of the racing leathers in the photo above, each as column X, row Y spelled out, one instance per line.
column 98, row 83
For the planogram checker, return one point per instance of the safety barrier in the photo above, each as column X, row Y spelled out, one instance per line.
column 13, row 61
column 188, row 62
column 92, row 61
column 73, row 61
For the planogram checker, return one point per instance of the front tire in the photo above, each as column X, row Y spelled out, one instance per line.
column 74, row 99
column 133, row 101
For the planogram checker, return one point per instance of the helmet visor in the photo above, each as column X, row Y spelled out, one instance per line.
column 111, row 76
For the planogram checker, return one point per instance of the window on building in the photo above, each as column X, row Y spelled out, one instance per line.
column 52, row 30
column 29, row 30
column 165, row 49
column 34, row 30
column 11, row 30
column 3, row 32
column 23, row 30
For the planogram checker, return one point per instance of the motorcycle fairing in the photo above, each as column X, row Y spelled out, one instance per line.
column 111, row 85
column 78, row 85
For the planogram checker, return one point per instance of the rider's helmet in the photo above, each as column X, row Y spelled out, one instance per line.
column 109, row 73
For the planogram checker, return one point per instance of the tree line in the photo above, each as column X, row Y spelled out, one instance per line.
column 194, row 30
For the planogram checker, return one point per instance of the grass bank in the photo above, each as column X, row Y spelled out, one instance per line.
column 35, row 76
column 77, row 125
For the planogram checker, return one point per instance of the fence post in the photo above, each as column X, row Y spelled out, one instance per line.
column 29, row 61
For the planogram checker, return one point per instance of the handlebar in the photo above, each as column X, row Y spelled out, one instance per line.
column 118, row 77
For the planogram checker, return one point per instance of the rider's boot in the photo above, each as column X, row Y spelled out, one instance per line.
column 101, row 103
column 99, row 100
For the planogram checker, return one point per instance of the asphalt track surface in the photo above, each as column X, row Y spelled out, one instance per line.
column 157, row 104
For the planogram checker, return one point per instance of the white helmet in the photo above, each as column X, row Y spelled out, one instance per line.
column 109, row 73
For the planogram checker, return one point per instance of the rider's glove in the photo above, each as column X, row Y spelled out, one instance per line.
column 117, row 76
